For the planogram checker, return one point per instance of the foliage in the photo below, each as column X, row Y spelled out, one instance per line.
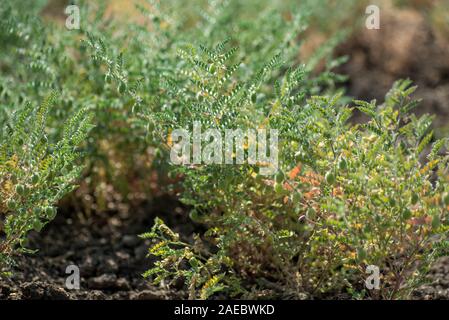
column 34, row 173
column 346, row 195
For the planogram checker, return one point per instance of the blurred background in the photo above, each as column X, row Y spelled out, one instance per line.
column 412, row 42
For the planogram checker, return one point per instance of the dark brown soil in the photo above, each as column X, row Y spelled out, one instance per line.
column 406, row 46
column 438, row 286
column 110, row 256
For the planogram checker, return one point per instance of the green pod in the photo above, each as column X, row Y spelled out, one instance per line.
column 158, row 153
column 35, row 179
column 37, row 211
column 20, row 189
column 414, row 199
column 342, row 164
column 150, row 126
column 296, row 198
column 38, row 225
column 278, row 188
column 253, row 98
column 311, row 213
column 280, row 177
column 11, row 205
column 50, row 213
column 406, row 214
column 108, row 78
column 436, row 222
column 330, row 177
column 122, row 87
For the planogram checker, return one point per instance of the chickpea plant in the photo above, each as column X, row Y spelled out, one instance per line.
column 34, row 173
column 346, row 195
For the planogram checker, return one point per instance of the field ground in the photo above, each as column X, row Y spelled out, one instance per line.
column 111, row 258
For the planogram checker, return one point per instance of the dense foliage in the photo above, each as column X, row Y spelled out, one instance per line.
column 345, row 196
column 34, row 173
